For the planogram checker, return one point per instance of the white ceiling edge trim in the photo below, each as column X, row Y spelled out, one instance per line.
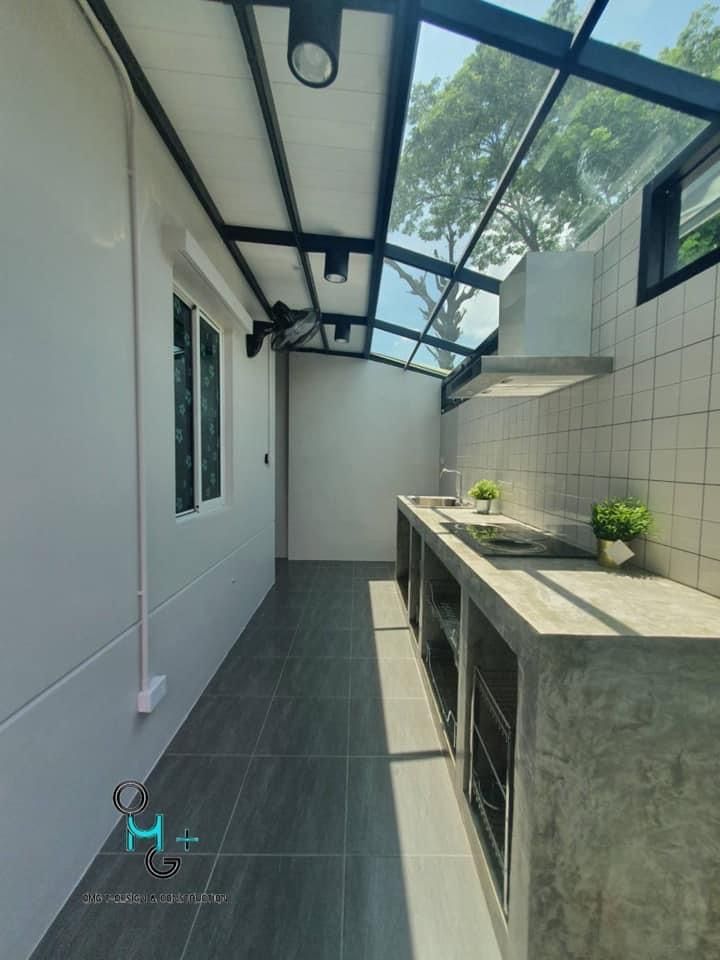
column 181, row 242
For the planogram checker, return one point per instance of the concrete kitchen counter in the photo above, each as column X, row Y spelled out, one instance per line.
column 616, row 835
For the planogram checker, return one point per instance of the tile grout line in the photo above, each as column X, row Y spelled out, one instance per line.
column 343, row 882
column 239, row 793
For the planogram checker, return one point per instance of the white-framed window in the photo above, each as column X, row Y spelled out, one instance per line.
column 197, row 352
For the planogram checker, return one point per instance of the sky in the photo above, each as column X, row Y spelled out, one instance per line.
column 656, row 23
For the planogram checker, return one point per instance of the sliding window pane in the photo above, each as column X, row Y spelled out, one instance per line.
column 596, row 148
column 210, row 429
column 183, row 372
column 680, row 33
column 469, row 106
column 699, row 224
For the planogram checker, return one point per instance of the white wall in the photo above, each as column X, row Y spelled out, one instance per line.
column 651, row 429
column 69, row 730
column 360, row 433
column 281, row 454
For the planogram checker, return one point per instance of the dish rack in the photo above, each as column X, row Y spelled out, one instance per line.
column 444, row 598
column 444, row 680
column 494, row 707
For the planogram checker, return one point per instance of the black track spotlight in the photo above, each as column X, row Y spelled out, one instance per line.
column 336, row 265
column 342, row 331
column 314, row 41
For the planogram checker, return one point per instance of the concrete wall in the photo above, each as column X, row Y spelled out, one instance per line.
column 651, row 429
column 360, row 433
column 69, row 730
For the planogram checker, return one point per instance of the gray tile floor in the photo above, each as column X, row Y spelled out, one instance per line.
column 313, row 775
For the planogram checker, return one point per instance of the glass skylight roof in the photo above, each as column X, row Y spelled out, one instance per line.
column 682, row 33
column 467, row 317
column 390, row 345
column 469, row 106
column 596, row 148
column 407, row 295
column 469, row 109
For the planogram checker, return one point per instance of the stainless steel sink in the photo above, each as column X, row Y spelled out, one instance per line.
column 434, row 501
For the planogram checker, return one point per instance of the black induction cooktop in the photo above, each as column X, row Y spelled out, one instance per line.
column 513, row 540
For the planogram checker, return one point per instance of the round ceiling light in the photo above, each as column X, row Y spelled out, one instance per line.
column 336, row 265
column 314, row 41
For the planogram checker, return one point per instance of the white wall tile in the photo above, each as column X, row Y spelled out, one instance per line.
column 700, row 289
column 699, row 323
column 688, row 500
column 710, row 540
column 650, row 430
column 669, row 335
column 709, row 579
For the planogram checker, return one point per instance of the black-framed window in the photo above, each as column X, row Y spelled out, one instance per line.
column 197, row 370
column 681, row 218
column 184, row 406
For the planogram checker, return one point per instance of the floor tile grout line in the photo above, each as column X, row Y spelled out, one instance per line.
column 237, row 799
column 343, row 880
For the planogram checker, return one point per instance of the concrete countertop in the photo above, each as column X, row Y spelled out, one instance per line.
column 566, row 597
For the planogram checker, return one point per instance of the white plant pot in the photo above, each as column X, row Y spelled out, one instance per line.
column 483, row 506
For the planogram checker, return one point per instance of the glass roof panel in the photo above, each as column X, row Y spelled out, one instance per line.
column 390, row 345
column 407, row 295
column 470, row 104
column 435, row 358
column 467, row 316
column 685, row 35
column 596, row 148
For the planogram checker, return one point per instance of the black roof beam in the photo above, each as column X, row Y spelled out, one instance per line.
column 630, row 72
column 323, row 243
column 499, row 27
column 253, row 49
column 402, row 61
column 554, row 89
column 431, row 341
column 441, row 267
column 311, row 242
column 160, row 120
column 353, row 320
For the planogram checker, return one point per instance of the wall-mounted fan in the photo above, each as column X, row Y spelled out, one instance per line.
column 290, row 328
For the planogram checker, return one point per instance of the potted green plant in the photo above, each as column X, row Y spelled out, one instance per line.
column 618, row 520
column 483, row 493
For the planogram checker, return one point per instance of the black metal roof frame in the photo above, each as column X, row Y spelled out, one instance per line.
column 569, row 55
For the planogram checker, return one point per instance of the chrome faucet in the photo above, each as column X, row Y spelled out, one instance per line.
column 458, row 483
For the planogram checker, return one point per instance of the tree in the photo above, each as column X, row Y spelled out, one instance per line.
column 596, row 147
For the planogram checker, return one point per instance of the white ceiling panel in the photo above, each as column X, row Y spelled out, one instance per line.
column 350, row 297
column 193, row 55
column 197, row 17
column 278, row 272
column 248, row 205
column 333, row 136
column 208, row 104
column 352, row 165
column 327, row 211
column 219, row 56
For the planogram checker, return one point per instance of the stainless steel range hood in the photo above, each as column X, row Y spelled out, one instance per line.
column 527, row 376
column 544, row 333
